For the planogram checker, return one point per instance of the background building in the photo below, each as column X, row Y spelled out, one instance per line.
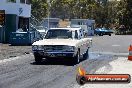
column 17, row 15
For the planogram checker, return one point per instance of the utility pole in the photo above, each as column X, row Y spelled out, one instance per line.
column 48, row 1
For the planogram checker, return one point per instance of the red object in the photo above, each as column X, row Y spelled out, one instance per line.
column 130, row 53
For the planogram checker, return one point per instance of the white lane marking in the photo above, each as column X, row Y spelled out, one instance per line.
column 111, row 53
column 13, row 58
column 116, row 45
column 10, row 59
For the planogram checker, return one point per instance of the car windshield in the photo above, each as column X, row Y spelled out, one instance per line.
column 58, row 33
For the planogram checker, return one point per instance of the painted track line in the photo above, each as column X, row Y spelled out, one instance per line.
column 104, row 53
column 112, row 53
column 13, row 58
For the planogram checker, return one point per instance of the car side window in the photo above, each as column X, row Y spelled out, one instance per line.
column 76, row 34
column 81, row 33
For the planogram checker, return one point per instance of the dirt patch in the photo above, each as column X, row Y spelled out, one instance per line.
column 7, row 51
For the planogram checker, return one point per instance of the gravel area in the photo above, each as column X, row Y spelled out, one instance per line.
column 7, row 51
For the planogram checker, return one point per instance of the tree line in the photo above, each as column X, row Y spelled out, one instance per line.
column 105, row 12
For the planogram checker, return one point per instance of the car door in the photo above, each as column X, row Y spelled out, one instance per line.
column 82, row 42
column 85, row 43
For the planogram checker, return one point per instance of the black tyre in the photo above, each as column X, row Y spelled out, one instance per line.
column 86, row 55
column 100, row 34
column 76, row 59
column 109, row 34
column 38, row 58
column 81, row 80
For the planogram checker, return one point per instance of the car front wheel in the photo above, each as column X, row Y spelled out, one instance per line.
column 37, row 57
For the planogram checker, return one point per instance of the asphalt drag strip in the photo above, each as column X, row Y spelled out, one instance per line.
column 23, row 72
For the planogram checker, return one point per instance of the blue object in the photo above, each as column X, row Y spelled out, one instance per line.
column 103, row 31
column 22, row 38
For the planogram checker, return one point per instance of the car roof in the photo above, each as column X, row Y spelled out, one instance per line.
column 69, row 28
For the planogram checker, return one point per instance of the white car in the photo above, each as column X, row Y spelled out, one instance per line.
column 42, row 31
column 62, row 43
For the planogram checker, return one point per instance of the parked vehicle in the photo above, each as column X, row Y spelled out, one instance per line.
column 103, row 31
column 42, row 31
column 86, row 24
column 62, row 43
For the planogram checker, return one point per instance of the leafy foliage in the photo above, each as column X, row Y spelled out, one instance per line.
column 103, row 11
column 39, row 8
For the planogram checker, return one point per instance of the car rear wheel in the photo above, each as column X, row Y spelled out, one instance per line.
column 85, row 56
column 77, row 58
column 109, row 34
column 100, row 34
column 37, row 57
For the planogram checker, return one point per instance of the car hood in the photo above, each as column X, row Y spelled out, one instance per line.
column 41, row 31
column 69, row 42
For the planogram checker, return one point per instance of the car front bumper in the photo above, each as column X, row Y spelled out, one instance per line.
column 54, row 54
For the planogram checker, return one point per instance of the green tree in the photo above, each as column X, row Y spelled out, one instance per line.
column 39, row 9
column 124, row 13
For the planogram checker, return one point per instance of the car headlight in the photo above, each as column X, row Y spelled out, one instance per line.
column 37, row 47
column 69, row 48
column 34, row 47
column 40, row 47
